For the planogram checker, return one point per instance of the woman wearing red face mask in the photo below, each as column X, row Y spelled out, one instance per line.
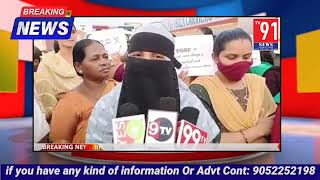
column 241, row 103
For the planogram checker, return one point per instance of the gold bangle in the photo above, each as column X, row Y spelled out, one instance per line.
column 244, row 136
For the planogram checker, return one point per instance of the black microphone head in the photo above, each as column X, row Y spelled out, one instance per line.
column 167, row 104
column 189, row 114
column 128, row 109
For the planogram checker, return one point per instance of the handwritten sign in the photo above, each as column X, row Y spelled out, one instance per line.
column 114, row 40
column 194, row 53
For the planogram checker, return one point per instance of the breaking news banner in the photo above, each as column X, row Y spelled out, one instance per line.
column 184, row 147
column 43, row 23
column 11, row 171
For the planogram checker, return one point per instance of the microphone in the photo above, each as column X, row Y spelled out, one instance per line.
column 128, row 109
column 129, row 128
column 190, row 114
column 187, row 131
column 162, row 122
column 167, row 104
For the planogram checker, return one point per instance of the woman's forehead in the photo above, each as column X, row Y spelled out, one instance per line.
column 238, row 45
column 94, row 48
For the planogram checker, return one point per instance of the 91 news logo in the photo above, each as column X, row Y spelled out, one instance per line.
column 265, row 34
column 43, row 23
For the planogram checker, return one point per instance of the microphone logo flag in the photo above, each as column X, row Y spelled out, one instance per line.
column 188, row 133
column 161, row 129
column 129, row 130
column 161, row 126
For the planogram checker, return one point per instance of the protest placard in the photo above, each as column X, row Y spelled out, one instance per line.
column 194, row 53
column 114, row 40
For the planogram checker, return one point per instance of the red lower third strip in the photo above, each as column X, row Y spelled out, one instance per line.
column 158, row 157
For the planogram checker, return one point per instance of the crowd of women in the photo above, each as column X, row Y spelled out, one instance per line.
column 80, row 87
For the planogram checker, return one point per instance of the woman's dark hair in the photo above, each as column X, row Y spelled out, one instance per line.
column 36, row 53
column 206, row 31
column 56, row 46
column 266, row 56
column 78, row 51
column 226, row 36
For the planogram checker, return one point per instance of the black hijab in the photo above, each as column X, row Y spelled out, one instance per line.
column 146, row 81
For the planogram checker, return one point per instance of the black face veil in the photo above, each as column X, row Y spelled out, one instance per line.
column 146, row 81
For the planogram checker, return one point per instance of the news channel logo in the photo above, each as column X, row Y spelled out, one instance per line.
column 129, row 130
column 43, row 23
column 266, row 34
column 161, row 129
